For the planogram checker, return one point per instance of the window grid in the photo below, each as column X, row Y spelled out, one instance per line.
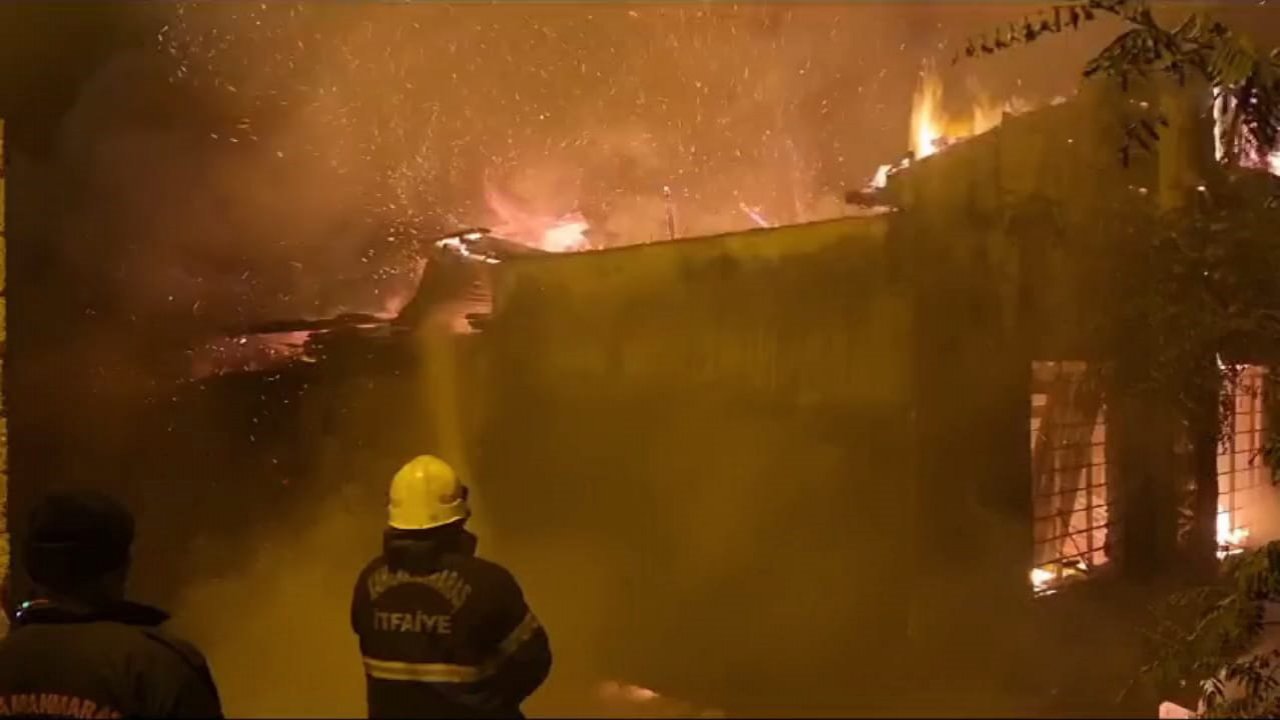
column 1072, row 515
column 1242, row 472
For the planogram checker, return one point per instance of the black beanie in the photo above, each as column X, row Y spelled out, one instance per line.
column 74, row 537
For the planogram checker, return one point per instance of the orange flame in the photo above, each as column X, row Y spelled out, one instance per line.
column 1231, row 537
column 553, row 233
column 932, row 129
column 1222, row 121
column 928, row 123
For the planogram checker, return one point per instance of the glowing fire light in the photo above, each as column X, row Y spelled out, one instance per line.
column 461, row 245
column 628, row 700
column 1244, row 148
column 755, row 215
column 1042, row 580
column 933, row 130
column 566, row 234
column 927, row 120
column 634, row 693
column 1231, row 540
column 881, row 178
column 1046, row 579
column 552, row 233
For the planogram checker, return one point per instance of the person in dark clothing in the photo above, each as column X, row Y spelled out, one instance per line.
column 444, row 634
column 79, row 649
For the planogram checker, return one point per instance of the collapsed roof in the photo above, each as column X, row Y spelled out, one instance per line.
column 453, row 288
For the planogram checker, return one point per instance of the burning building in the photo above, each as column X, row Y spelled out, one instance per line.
column 842, row 408
column 766, row 471
column 769, row 470
column 865, row 427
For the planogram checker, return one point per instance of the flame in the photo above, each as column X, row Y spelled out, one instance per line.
column 553, row 233
column 927, row 120
column 1046, row 579
column 1042, row 580
column 1231, row 538
column 1246, row 150
column 881, row 178
column 566, row 234
column 932, row 129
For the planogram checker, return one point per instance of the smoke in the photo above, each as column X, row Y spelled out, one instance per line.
column 195, row 229
column 289, row 601
column 263, row 162
column 415, row 111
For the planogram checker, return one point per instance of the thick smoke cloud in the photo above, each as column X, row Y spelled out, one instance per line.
column 423, row 114
column 324, row 117
column 260, row 160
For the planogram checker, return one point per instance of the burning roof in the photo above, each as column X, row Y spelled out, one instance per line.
column 482, row 245
column 933, row 129
column 452, row 284
column 453, row 277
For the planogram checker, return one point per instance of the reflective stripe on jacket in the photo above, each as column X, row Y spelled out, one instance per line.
column 444, row 633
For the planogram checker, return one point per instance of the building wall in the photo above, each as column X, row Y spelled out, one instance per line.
column 764, row 311
column 699, row 456
column 1012, row 239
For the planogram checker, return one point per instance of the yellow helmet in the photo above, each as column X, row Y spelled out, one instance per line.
column 426, row 493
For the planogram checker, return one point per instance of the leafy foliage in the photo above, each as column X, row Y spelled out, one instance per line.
column 1192, row 286
column 1201, row 289
column 1205, row 292
column 1185, row 289
column 1214, row 633
column 1246, row 82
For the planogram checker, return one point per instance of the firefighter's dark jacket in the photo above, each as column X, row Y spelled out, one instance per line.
column 443, row 632
column 101, row 663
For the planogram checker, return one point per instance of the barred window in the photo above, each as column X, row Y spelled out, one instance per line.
column 1243, row 475
column 1070, row 496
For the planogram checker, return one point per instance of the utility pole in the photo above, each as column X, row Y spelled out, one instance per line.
column 671, row 212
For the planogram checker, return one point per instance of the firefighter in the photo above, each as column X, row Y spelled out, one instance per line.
column 79, row 649
column 443, row 633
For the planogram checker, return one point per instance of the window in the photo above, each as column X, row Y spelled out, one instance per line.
column 1070, row 497
column 1243, row 476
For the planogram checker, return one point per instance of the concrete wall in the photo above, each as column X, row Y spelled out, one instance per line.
column 767, row 311
column 1012, row 240
column 699, row 456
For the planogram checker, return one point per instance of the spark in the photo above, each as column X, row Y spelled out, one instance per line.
column 580, row 115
